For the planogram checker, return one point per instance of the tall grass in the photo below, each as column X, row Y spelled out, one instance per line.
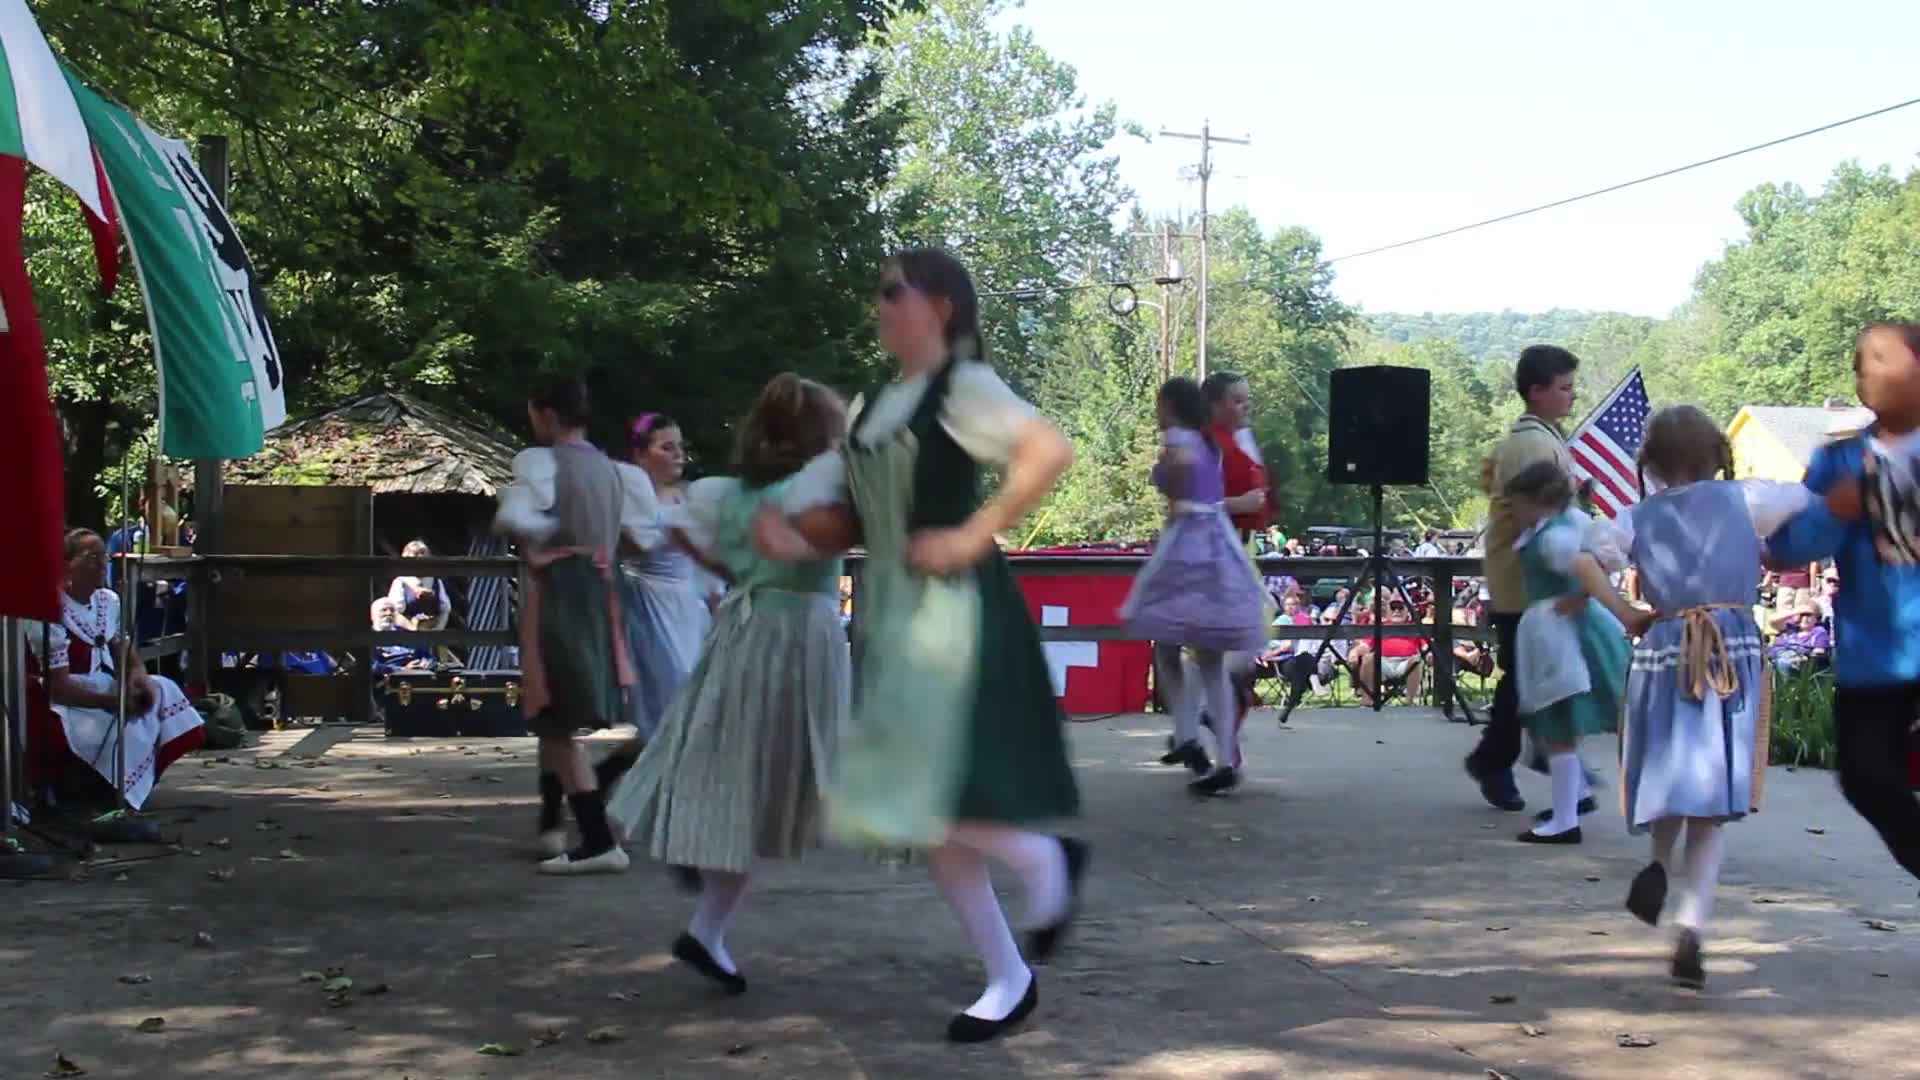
column 1803, row 720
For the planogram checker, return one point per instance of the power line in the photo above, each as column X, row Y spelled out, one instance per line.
column 1610, row 189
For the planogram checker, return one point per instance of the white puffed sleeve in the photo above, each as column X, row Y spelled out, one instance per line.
column 1610, row 540
column 820, row 482
column 640, row 518
column 53, row 636
column 983, row 414
column 1770, row 503
column 1561, row 545
column 698, row 516
column 524, row 502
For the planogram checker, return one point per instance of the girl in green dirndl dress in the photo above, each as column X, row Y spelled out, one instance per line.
column 957, row 741
column 736, row 771
column 1565, row 581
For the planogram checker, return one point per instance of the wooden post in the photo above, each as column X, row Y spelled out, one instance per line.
column 208, row 483
column 1438, row 573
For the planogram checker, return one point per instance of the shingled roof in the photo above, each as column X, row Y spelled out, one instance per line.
column 1804, row 429
column 393, row 443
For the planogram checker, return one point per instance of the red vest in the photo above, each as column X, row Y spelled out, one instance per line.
column 1243, row 472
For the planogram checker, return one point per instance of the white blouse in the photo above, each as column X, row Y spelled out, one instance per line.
column 1769, row 504
column 981, row 412
column 524, row 503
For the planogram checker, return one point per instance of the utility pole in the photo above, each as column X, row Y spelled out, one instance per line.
column 1166, row 302
column 1206, row 138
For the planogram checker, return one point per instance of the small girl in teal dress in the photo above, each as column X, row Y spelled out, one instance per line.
column 1559, row 570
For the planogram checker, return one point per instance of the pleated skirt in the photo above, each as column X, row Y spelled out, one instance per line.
column 736, row 771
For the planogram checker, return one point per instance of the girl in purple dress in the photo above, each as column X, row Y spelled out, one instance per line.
column 1198, row 590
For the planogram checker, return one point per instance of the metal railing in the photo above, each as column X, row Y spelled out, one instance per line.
column 206, row 637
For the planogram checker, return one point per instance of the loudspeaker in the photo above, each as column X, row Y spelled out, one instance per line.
column 1377, row 425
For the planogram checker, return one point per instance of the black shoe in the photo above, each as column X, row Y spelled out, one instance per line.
column 1496, row 786
column 1191, row 755
column 1688, row 968
column 1218, row 782
column 1571, row 836
column 1647, row 896
column 688, row 950
column 972, row 1029
column 1042, row 942
column 1586, row 806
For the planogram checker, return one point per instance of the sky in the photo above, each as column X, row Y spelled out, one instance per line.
column 1374, row 121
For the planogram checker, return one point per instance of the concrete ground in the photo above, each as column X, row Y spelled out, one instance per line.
column 1354, row 911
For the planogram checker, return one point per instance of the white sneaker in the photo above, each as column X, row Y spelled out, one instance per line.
column 553, row 842
column 611, row 861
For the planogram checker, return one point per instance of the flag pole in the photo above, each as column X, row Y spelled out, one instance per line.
column 1604, row 402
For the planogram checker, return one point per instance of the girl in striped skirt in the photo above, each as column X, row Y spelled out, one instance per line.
column 735, row 772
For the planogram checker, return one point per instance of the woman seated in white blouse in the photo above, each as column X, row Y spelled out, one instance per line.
column 76, row 695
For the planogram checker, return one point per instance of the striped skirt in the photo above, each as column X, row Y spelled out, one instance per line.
column 736, row 770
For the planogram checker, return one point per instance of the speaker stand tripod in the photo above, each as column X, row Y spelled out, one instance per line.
column 1378, row 572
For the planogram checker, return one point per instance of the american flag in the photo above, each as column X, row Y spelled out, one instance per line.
column 1604, row 448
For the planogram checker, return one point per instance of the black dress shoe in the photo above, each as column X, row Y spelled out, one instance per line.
column 1647, row 896
column 1496, row 786
column 688, row 950
column 1218, row 782
column 1688, row 968
column 1586, row 806
column 972, row 1029
column 1571, row 836
column 1189, row 754
column 1042, row 942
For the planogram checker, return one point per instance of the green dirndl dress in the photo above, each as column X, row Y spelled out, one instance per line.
column 954, row 715
column 1603, row 643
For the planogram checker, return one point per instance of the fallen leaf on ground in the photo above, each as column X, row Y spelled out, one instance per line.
column 1489, row 827
column 1816, row 830
column 548, row 1038
column 1501, row 999
column 1313, row 899
column 738, row 1048
column 1593, row 877
column 1359, row 922
column 1531, row 1031
column 62, row 1066
column 606, row 1034
column 1630, row 1041
column 1498, row 929
column 1599, row 933
column 339, row 984
column 266, row 824
column 1879, row 924
column 151, row 1025
column 621, row 995
column 1197, row 962
column 203, row 940
column 1766, row 900
column 312, row 976
column 289, row 853
column 221, row 844
column 136, row 980
column 122, row 876
column 1882, row 975
column 499, row 1050
column 481, row 956
column 221, row 874
column 195, row 853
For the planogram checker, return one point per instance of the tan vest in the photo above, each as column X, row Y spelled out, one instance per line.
column 1531, row 440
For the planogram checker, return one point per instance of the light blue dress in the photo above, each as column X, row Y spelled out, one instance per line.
column 667, row 620
column 1545, row 555
column 1681, row 756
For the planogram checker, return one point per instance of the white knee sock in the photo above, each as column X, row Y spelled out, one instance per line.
column 1038, row 859
column 721, row 894
column 1666, row 833
column 1565, row 769
column 961, row 876
column 1217, row 686
column 1178, row 691
column 1706, row 842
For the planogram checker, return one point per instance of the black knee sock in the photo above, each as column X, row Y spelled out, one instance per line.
column 591, row 814
column 550, row 794
column 614, row 766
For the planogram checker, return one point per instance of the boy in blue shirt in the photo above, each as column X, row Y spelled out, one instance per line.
column 1869, row 522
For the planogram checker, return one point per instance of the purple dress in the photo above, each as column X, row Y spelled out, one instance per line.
column 1198, row 589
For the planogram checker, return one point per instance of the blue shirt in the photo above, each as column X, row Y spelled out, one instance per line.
column 1877, row 613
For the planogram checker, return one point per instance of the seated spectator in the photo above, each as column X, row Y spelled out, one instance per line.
column 75, row 691
column 386, row 616
column 422, row 601
column 1829, row 589
column 1399, row 658
column 1806, row 645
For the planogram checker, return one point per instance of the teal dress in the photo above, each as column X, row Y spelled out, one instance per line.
column 745, row 752
column 955, row 717
column 1544, row 558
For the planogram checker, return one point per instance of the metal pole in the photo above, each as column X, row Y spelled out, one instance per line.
column 16, row 674
column 129, row 596
column 1166, row 301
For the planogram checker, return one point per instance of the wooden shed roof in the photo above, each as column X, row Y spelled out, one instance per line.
column 392, row 443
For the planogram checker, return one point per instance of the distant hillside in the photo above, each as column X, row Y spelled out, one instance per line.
column 1494, row 335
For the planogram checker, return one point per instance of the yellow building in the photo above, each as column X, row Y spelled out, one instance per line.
column 1775, row 442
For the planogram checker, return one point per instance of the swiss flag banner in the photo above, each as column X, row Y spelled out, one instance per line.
column 32, row 485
